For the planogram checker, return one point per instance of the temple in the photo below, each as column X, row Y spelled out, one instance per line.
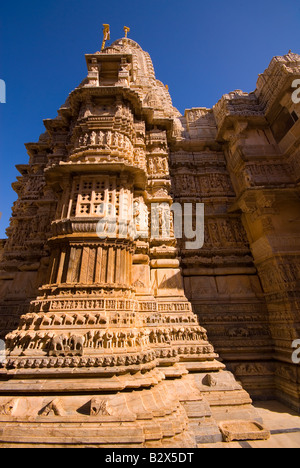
column 116, row 337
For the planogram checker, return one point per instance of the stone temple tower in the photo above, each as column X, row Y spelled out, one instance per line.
column 108, row 352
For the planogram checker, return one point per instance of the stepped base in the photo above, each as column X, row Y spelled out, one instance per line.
column 178, row 413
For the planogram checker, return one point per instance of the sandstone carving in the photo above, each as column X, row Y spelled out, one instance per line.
column 7, row 408
column 107, row 315
column 55, row 408
column 99, row 407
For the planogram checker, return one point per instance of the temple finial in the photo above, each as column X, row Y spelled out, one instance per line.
column 106, row 35
column 126, row 30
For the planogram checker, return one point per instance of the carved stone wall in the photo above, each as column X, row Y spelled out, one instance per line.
column 221, row 279
column 260, row 135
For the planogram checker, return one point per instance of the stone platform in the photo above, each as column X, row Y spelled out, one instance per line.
column 282, row 422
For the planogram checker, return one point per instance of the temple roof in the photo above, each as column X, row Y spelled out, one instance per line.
column 152, row 91
column 141, row 60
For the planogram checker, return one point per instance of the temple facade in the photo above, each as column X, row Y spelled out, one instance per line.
column 119, row 331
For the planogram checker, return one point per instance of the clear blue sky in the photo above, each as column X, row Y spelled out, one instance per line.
column 201, row 49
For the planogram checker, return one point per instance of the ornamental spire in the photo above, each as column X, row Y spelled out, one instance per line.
column 106, row 35
column 126, row 30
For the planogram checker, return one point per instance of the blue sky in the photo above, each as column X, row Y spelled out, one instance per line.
column 201, row 49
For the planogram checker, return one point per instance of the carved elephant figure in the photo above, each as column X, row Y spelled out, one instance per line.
column 47, row 340
column 45, row 307
column 23, row 321
column 30, row 319
column 91, row 319
column 35, row 340
column 68, row 320
column 41, row 339
column 27, row 340
column 139, row 339
column 145, row 338
column 47, row 320
column 122, row 337
column 152, row 319
column 99, row 339
column 194, row 334
column 57, row 319
column 153, row 336
column 80, row 320
column 243, row 332
column 132, row 336
column 76, row 343
column 180, row 334
column 90, row 338
column 167, row 335
column 101, row 319
column 161, row 335
column 12, row 340
column 232, row 332
column 59, row 343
